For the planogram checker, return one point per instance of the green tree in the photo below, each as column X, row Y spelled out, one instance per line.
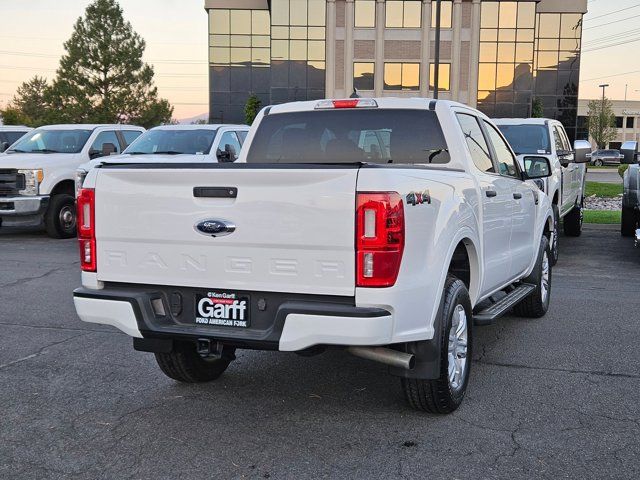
column 251, row 109
column 602, row 122
column 32, row 101
column 537, row 108
column 13, row 116
column 102, row 77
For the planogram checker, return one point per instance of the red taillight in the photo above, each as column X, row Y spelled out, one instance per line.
column 86, row 218
column 379, row 238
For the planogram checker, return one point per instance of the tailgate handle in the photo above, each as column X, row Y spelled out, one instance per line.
column 215, row 192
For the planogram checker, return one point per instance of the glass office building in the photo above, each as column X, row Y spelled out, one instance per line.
column 502, row 57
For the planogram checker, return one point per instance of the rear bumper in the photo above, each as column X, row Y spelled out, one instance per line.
column 22, row 211
column 286, row 323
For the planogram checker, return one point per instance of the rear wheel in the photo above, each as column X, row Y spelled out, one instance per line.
column 537, row 303
column 629, row 222
column 445, row 393
column 185, row 364
column 60, row 219
column 573, row 221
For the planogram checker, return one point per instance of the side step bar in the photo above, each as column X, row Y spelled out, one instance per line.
column 489, row 315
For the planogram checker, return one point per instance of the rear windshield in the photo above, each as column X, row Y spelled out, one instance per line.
column 527, row 139
column 350, row 136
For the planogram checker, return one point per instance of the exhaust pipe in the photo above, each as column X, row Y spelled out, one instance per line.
column 385, row 355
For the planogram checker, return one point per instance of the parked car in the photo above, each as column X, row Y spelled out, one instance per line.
column 606, row 157
column 10, row 134
column 565, row 186
column 180, row 143
column 630, row 222
column 37, row 173
column 313, row 240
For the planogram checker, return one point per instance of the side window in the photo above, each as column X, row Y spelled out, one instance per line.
column 106, row 143
column 565, row 139
column 130, row 136
column 557, row 138
column 229, row 147
column 242, row 134
column 476, row 142
column 505, row 159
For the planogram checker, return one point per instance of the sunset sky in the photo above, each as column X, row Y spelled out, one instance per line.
column 33, row 31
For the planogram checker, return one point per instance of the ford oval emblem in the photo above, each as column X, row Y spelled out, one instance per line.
column 215, row 228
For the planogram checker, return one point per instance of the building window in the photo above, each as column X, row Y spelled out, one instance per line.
column 630, row 122
column 363, row 76
column 446, row 14
column 403, row 14
column 444, row 77
column 298, row 50
column 239, row 37
column 505, row 73
column 365, row 13
column 619, row 122
column 401, row 76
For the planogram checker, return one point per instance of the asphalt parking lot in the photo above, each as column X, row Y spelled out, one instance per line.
column 557, row 397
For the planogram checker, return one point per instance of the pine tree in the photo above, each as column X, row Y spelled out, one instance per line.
column 102, row 77
column 31, row 101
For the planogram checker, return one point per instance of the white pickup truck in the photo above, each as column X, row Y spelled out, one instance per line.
column 183, row 143
column 565, row 186
column 37, row 173
column 381, row 226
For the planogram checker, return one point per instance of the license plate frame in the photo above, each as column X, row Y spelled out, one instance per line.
column 216, row 308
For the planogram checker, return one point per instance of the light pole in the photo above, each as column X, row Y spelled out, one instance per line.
column 436, row 70
column 603, row 86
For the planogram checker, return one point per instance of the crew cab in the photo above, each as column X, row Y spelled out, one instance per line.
column 565, row 186
column 10, row 134
column 37, row 173
column 184, row 143
column 314, row 241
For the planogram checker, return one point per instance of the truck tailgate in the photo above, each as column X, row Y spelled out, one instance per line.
column 294, row 228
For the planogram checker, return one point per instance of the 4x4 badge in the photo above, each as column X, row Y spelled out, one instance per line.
column 418, row 198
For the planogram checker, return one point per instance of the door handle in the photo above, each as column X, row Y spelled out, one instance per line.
column 491, row 193
column 517, row 196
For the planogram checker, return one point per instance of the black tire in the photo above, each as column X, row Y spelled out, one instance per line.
column 60, row 218
column 440, row 395
column 537, row 303
column 629, row 222
column 556, row 232
column 186, row 365
column 572, row 222
column 598, row 163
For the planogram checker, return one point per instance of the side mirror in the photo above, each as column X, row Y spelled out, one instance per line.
column 536, row 167
column 582, row 151
column 108, row 149
column 629, row 151
column 228, row 154
column 4, row 146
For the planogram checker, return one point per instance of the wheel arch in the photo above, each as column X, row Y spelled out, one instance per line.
column 64, row 186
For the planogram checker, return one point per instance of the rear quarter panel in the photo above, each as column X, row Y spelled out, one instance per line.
column 432, row 231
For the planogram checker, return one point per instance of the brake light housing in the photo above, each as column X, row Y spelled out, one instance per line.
column 86, row 221
column 346, row 103
column 380, row 232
